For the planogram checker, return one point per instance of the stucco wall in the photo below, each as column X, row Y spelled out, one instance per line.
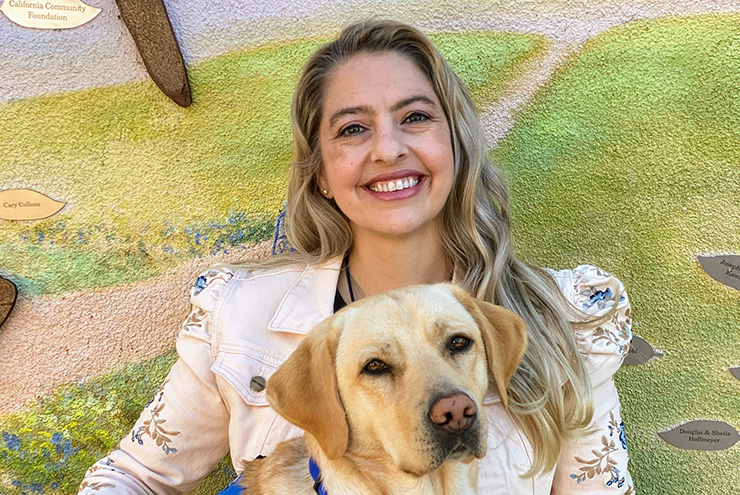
column 617, row 123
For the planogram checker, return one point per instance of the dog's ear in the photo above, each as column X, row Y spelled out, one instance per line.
column 504, row 336
column 304, row 391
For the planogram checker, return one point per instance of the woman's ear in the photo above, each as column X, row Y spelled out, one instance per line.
column 324, row 186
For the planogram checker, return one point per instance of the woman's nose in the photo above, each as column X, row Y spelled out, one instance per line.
column 388, row 145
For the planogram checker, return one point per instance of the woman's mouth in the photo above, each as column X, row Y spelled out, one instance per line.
column 394, row 185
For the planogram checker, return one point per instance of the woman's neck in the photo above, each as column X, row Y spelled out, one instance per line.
column 379, row 265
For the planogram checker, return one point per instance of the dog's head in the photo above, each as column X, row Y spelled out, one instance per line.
column 402, row 374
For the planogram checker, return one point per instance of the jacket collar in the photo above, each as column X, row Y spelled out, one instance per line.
column 310, row 300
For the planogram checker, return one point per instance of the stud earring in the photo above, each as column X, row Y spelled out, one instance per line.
column 325, row 192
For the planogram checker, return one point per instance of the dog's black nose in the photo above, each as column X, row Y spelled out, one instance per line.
column 453, row 414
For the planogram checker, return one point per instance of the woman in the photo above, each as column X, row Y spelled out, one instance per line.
column 391, row 186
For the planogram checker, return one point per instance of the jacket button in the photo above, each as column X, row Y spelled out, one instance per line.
column 257, row 383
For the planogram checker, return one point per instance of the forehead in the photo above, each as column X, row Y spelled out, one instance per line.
column 416, row 315
column 375, row 79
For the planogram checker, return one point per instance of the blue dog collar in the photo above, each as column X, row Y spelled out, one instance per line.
column 318, row 485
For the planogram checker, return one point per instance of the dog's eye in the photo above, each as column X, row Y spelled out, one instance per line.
column 375, row 366
column 459, row 343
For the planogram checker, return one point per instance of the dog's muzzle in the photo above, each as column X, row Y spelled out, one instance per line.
column 454, row 427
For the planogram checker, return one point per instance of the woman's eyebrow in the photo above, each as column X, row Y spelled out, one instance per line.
column 412, row 99
column 364, row 109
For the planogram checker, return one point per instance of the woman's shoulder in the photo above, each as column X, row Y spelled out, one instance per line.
column 248, row 302
column 605, row 334
column 229, row 279
column 210, row 286
column 590, row 289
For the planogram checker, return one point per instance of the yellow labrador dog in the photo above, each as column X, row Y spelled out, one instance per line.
column 389, row 391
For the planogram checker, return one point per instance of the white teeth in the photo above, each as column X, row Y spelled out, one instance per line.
column 396, row 185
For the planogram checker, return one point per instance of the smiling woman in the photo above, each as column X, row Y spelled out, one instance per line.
column 390, row 187
column 387, row 161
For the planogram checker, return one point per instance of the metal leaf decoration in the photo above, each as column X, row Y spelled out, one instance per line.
column 27, row 204
column 8, row 295
column 735, row 372
column 702, row 434
column 49, row 14
column 150, row 27
column 641, row 352
column 724, row 268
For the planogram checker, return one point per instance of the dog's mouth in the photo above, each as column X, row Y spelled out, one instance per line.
column 460, row 452
column 443, row 446
column 460, row 445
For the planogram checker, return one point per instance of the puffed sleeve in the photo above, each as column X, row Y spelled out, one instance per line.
column 597, row 463
column 183, row 431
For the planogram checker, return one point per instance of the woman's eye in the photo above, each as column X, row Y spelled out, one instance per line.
column 375, row 366
column 351, row 130
column 459, row 343
column 416, row 117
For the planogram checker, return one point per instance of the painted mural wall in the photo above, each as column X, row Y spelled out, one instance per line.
column 617, row 123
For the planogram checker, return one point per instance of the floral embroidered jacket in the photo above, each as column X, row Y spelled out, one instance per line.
column 244, row 324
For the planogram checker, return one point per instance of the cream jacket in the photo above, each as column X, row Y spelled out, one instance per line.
column 244, row 324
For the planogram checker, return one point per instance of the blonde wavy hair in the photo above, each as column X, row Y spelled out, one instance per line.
column 549, row 395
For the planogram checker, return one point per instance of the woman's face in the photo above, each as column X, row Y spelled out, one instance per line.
column 386, row 146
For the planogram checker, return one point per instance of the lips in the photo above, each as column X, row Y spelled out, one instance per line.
column 398, row 181
column 394, row 185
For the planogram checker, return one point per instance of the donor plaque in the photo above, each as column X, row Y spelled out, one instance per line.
column 641, row 352
column 702, row 434
column 27, row 204
column 48, row 14
column 725, row 269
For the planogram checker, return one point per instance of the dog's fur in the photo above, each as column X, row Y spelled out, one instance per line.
column 371, row 433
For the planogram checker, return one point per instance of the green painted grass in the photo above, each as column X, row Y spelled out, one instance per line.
column 51, row 444
column 48, row 447
column 150, row 185
column 630, row 159
column 486, row 60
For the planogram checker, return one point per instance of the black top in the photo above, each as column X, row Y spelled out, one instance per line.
column 339, row 302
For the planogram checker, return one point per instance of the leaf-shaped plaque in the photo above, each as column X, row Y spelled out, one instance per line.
column 702, row 434
column 8, row 294
column 27, row 204
column 735, row 372
column 641, row 352
column 724, row 268
column 149, row 25
column 48, row 14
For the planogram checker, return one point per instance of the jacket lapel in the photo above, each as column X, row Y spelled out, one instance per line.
column 309, row 301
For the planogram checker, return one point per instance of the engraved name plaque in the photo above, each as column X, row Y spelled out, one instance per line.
column 641, row 352
column 48, row 14
column 27, row 204
column 702, row 434
column 725, row 269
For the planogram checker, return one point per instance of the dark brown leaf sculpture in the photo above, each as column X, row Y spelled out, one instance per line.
column 150, row 27
column 8, row 294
